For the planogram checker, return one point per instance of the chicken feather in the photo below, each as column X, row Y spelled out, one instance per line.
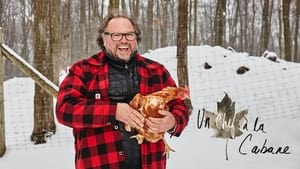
column 149, row 106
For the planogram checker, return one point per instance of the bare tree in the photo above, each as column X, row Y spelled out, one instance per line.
column 65, row 56
column 252, row 45
column 135, row 7
column 164, row 23
column 1, row 12
column 296, row 35
column 265, row 27
column 123, row 6
column 195, row 23
column 82, row 29
column 26, row 25
column 159, row 22
column 280, row 27
column 2, row 120
column 182, row 40
column 157, row 25
column 286, row 29
column 11, row 38
column 241, row 26
column 45, row 48
column 233, row 22
column 93, row 23
column 190, row 28
column 173, row 22
column 220, row 23
column 246, row 24
column 149, row 36
column 102, row 11
column 113, row 6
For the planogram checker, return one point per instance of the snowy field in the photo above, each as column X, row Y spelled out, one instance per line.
column 267, row 89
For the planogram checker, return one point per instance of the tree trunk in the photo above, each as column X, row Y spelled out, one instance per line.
column 241, row 26
column 65, row 56
column 286, row 29
column 1, row 13
column 173, row 22
column 45, row 42
column 233, row 27
column 265, row 27
column 296, row 35
column 55, row 46
column 102, row 12
column 10, row 39
column 94, row 26
column 123, row 6
column 195, row 22
column 113, row 6
column 252, row 45
column 165, row 23
column 157, row 25
column 220, row 21
column 2, row 120
column 25, row 33
column 245, row 31
column 135, row 10
column 190, row 28
column 279, row 36
column 182, row 39
column 82, row 23
column 149, row 36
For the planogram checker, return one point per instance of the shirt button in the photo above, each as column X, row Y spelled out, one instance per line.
column 120, row 153
column 116, row 127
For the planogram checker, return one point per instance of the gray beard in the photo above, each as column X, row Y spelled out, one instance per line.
column 116, row 58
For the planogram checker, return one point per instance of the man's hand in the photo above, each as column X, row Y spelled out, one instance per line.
column 129, row 116
column 159, row 125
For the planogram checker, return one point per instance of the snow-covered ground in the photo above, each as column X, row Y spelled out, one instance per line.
column 267, row 89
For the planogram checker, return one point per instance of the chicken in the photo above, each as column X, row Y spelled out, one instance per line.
column 149, row 105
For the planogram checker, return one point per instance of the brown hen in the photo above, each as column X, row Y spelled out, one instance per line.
column 149, row 106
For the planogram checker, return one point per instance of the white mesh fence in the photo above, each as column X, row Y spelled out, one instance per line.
column 269, row 90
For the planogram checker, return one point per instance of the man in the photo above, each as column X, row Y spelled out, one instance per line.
column 93, row 100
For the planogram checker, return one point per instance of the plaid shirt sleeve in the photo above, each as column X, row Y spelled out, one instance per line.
column 154, row 77
column 181, row 114
column 77, row 106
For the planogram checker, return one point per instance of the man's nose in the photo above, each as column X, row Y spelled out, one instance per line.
column 123, row 39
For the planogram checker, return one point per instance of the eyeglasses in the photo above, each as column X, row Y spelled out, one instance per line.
column 115, row 36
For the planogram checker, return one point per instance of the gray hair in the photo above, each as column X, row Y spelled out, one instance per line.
column 109, row 17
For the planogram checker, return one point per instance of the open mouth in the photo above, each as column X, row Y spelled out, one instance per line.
column 123, row 48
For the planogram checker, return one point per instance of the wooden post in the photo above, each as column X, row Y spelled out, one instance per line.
column 2, row 123
column 30, row 71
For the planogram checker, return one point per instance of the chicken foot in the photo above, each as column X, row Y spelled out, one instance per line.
column 167, row 148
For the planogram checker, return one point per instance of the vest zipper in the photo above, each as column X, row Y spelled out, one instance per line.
column 129, row 80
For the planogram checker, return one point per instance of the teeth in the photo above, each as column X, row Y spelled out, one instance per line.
column 123, row 46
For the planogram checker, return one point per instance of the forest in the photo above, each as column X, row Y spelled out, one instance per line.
column 251, row 26
column 51, row 35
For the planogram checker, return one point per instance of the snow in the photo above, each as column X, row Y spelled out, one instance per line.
column 268, row 90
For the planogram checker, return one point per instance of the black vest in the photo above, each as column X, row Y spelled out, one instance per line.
column 124, row 84
column 123, row 79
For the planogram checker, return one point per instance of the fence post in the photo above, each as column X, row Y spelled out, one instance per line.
column 2, row 121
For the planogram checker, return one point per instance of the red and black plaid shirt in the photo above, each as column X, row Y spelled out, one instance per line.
column 83, row 104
